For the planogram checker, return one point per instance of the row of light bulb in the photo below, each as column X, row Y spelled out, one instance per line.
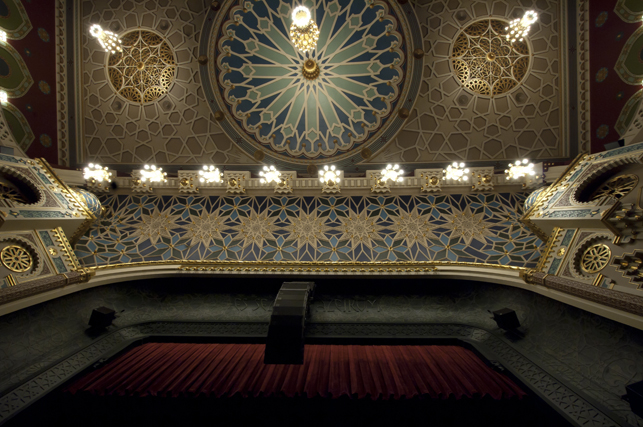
column 210, row 174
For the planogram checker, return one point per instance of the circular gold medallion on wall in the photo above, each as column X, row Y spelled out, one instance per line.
column 145, row 69
column 485, row 62
column 16, row 259
column 595, row 258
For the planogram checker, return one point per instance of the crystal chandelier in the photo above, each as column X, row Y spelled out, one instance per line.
column 456, row 172
column 329, row 175
column 4, row 98
column 3, row 36
column 519, row 27
column 269, row 174
column 97, row 172
column 210, row 174
column 108, row 40
column 153, row 174
column 520, row 169
column 392, row 173
column 303, row 31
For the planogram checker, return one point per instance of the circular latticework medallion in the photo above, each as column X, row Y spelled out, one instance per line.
column 144, row 70
column 616, row 187
column 485, row 62
column 8, row 192
column 595, row 258
column 16, row 258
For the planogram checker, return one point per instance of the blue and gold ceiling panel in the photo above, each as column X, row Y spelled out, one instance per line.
column 480, row 228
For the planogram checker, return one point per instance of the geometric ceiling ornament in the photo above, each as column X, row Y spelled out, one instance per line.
column 303, row 108
column 485, row 62
column 144, row 70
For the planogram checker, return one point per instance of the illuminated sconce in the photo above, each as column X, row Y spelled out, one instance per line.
column 392, row 173
column 108, row 40
column 269, row 174
column 97, row 173
column 456, row 172
column 520, row 169
column 210, row 174
column 153, row 174
column 329, row 175
column 3, row 97
column 519, row 27
column 330, row 179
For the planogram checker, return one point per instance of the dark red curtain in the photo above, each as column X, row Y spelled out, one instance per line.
column 169, row 369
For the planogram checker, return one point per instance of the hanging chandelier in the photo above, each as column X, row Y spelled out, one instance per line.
column 520, row 169
column 269, row 174
column 153, row 174
column 97, row 173
column 108, row 40
column 210, row 174
column 456, row 172
column 303, row 31
column 519, row 27
column 392, row 173
column 329, row 175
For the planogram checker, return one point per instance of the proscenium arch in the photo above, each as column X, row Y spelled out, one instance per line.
column 434, row 274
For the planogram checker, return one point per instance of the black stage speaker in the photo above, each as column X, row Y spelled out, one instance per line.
column 506, row 319
column 102, row 317
column 285, row 341
column 635, row 397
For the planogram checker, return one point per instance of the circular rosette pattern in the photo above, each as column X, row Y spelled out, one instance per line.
column 283, row 104
column 485, row 62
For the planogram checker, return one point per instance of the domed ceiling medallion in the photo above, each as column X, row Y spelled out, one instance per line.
column 485, row 62
column 144, row 70
column 308, row 107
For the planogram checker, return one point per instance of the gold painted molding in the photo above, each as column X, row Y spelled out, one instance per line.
column 307, row 266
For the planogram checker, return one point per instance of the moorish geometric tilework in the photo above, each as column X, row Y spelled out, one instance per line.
column 482, row 228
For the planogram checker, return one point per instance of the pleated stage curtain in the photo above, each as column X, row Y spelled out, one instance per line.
column 218, row 370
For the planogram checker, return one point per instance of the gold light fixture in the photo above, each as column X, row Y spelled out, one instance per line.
column 108, row 40
column 153, row 174
column 520, row 169
column 519, row 27
column 303, row 31
column 392, row 173
column 210, row 174
column 456, row 172
column 97, row 173
column 310, row 69
column 269, row 174
column 329, row 175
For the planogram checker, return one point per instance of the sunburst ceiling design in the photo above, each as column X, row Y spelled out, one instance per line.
column 328, row 102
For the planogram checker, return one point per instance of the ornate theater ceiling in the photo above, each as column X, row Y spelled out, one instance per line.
column 420, row 83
